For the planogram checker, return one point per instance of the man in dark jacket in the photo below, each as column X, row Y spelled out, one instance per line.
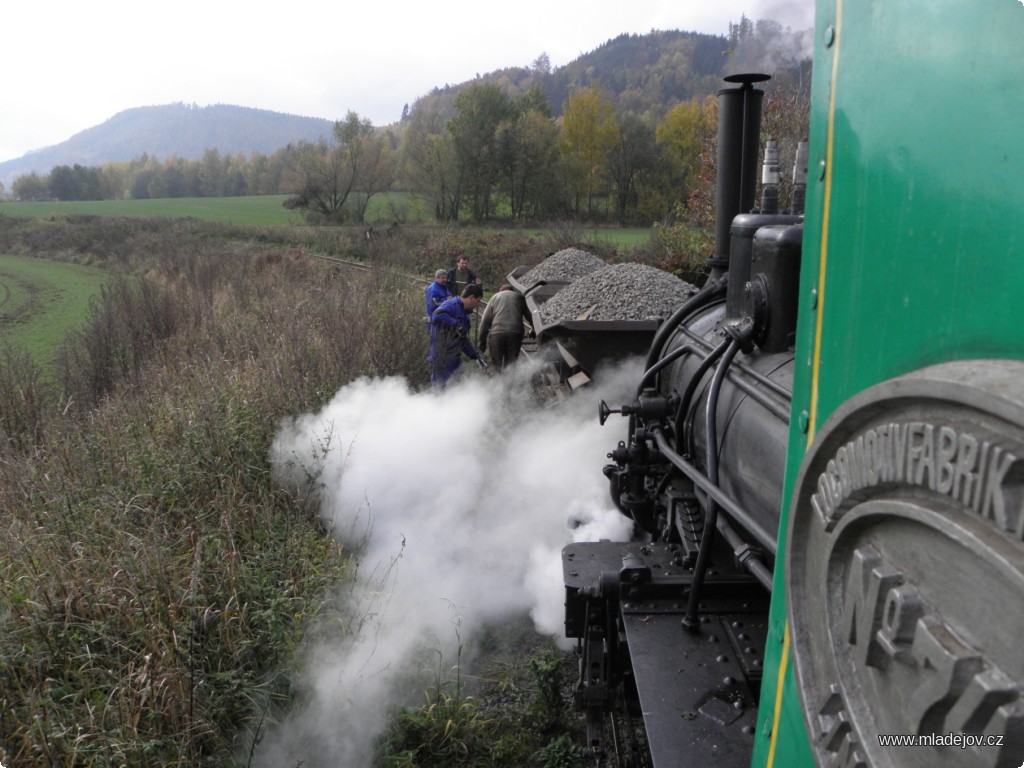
column 449, row 336
column 501, row 326
column 460, row 276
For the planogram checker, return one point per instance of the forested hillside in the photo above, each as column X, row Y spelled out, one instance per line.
column 623, row 134
column 637, row 72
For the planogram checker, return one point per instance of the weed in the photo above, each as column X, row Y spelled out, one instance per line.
column 547, row 675
column 560, row 752
column 156, row 581
column 447, row 729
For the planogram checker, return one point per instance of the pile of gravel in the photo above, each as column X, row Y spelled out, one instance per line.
column 563, row 266
column 619, row 292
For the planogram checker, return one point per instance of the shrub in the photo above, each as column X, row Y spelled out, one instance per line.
column 24, row 399
column 155, row 581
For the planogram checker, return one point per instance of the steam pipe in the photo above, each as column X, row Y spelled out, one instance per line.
column 675, row 354
column 749, row 558
column 712, row 290
column 690, row 620
column 691, row 388
column 764, row 539
column 761, row 379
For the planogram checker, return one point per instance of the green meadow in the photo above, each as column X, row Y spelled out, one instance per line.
column 41, row 301
column 257, row 210
column 268, row 211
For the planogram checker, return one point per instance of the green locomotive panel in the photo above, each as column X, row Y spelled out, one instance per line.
column 913, row 255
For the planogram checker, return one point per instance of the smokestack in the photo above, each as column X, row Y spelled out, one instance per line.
column 739, row 133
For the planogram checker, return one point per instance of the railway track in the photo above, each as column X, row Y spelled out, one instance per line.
column 359, row 266
column 366, row 268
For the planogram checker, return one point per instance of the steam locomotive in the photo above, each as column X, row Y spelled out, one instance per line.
column 825, row 452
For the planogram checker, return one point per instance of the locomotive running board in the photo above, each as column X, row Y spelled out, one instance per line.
column 691, row 687
column 697, row 691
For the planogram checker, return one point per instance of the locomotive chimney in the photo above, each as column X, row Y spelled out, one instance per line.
column 739, row 134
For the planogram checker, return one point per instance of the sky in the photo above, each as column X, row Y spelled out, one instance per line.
column 71, row 65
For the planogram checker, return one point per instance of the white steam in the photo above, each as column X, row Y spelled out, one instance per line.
column 458, row 504
column 782, row 37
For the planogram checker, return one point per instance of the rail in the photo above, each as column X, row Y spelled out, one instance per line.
column 359, row 266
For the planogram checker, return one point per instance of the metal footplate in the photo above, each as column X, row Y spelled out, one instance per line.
column 694, row 697
column 697, row 690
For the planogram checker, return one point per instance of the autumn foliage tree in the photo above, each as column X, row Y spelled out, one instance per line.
column 589, row 131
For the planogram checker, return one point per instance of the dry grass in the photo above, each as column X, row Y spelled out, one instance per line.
column 154, row 582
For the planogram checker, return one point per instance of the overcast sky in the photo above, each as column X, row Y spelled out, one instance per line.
column 72, row 64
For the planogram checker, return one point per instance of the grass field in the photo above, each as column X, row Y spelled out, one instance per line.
column 42, row 300
column 160, row 586
column 267, row 210
column 259, row 210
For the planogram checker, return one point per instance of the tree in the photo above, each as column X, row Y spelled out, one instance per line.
column 680, row 137
column 589, row 130
column 75, row 183
column 321, row 189
column 366, row 160
column 327, row 174
column 740, row 33
column 31, row 186
column 633, row 155
column 211, row 173
column 429, row 162
column 479, row 112
column 63, row 184
column 233, row 183
column 263, row 174
column 139, row 174
column 528, row 150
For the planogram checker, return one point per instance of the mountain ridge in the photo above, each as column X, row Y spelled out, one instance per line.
column 178, row 129
column 638, row 72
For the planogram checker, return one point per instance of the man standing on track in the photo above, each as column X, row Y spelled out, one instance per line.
column 460, row 276
column 437, row 292
column 449, row 336
column 502, row 326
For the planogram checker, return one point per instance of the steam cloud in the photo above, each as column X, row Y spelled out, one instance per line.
column 784, row 37
column 458, row 504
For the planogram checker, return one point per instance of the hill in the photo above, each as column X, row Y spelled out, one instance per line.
column 638, row 73
column 183, row 130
